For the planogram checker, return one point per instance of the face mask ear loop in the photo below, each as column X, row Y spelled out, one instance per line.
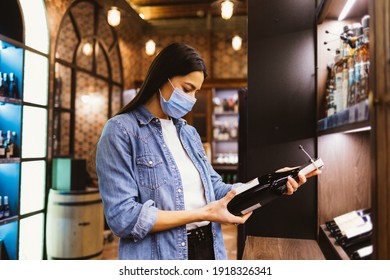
column 161, row 95
column 171, row 83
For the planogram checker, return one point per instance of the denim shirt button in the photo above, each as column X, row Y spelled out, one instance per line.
column 179, row 190
column 150, row 162
column 183, row 244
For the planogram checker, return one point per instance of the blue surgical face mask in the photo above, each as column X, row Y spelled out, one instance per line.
column 178, row 104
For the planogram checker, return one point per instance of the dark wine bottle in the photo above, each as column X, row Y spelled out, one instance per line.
column 1, row 209
column 13, row 86
column 363, row 253
column 2, row 86
column 266, row 188
column 6, row 208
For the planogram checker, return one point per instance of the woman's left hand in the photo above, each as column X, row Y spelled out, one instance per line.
column 292, row 185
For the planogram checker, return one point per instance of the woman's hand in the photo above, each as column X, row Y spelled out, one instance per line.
column 217, row 211
column 292, row 185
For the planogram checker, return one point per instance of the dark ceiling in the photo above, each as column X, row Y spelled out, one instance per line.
column 182, row 9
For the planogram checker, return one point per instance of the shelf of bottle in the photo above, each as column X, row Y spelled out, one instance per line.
column 9, row 160
column 8, row 220
column 329, row 246
column 225, row 140
column 4, row 99
column 352, row 118
column 225, row 167
column 225, row 113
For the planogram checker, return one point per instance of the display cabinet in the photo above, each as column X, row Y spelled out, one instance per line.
column 23, row 122
column 347, row 138
column 215, row 116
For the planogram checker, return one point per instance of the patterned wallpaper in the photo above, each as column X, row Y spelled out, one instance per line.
column 222, row 62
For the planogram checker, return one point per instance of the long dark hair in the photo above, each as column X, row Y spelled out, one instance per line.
column 177, row 59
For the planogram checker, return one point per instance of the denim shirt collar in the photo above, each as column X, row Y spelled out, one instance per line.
column 144, row 117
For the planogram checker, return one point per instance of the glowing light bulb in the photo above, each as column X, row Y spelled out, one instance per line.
column 150, row 47
column 227, row 9
column 236, row 43
column 114, row 16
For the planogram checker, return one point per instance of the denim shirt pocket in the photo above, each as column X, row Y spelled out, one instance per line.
column 150, row 171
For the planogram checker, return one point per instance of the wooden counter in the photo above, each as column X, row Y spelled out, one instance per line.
column 269, row 248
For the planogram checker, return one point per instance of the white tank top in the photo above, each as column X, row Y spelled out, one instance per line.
column 192, row 184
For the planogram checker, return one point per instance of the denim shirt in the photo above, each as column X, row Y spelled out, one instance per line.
column 138, row 175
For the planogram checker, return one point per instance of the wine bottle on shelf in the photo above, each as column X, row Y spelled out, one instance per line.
column 6, row 84
column 355, row 235
column 2, row 87
column 364, row 253
column 1, row 209
column 2, row 145
column 13, row 86
column 264, row 189
column 347, row 216
column 9, row 150
column 354, row 222
column 6, row 208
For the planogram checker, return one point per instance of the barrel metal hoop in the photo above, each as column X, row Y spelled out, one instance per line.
column 79, row 258
column 75, row 203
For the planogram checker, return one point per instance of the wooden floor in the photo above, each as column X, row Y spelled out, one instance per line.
column 110, row 251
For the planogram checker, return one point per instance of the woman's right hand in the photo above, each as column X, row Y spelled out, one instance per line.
column 217, row 211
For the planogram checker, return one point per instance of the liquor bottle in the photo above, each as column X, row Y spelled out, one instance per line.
column 355, row 235
column 264, row 189
column 347, row 216
column 351, row 65
column 363, row 62
column 5, row 84
column 2, row 87
column 1, row 209
column 338, row 81
column 6, row 209
column 9, row 150
column 2, row 145
column 364, row 253
column 13, row 87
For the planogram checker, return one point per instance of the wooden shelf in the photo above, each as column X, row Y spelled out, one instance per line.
column 270, row 248
column 8, row 220
column 9, row 160
column 329, row 246
column 230, row 167
column 4, row 99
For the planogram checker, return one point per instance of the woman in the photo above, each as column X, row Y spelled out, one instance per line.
column 160, row 194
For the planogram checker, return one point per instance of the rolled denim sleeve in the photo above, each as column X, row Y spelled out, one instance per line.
column 125, row 215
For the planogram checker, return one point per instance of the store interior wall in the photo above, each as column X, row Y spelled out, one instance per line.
column 215, row 47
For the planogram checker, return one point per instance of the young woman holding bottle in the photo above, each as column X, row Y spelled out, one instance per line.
column 161, row 196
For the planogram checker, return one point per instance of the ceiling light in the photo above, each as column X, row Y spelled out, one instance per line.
column 236, row 43
column 227, row 9
column 346, row 9
column 114, row 16
column 150, row 47
column 87, row 49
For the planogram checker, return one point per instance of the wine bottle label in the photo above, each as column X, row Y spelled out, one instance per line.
column 365, row 251
column 355, row 231
column 254, row 207
column 345, row 217
column 247, row 186
column 354, row 222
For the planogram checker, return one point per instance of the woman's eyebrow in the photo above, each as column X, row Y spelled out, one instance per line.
column 191, row 85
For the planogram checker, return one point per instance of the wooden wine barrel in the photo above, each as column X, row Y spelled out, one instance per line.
column 74, row 225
